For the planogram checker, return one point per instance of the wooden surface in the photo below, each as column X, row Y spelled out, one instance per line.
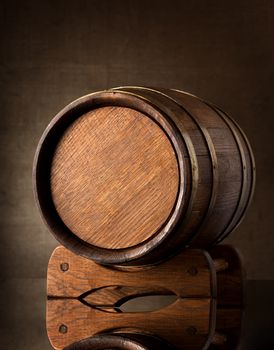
column 114, row 177
column 222, row 165
column 85, row 297
column 187, row 274
column 187, row 328
column 46, row 152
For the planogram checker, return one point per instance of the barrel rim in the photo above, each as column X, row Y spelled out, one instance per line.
column 41, row 178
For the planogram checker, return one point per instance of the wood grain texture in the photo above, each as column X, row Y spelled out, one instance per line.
column 83, row 296
column 188, row 326
column 187, row 274
column 114, row 177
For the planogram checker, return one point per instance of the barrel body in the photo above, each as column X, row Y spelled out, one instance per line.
column 131, row 175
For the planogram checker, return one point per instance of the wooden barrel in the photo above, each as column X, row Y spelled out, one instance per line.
column 131, row 175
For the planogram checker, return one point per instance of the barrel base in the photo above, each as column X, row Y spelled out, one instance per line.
column 84, row 299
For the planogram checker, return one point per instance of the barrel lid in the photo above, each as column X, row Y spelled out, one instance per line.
column 114, row 177
column 109, row 177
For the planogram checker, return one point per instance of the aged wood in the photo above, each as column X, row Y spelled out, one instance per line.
column 122, row 198
column 249, row 171
column 114, row 177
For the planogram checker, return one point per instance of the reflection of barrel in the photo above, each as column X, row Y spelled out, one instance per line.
column 120, row 341
column 122, row 172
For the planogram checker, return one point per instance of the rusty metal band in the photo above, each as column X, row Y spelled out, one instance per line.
column 214, row 165
column 188, row 144
column 241, row 205
column 253, row 164
column 253, row 171
column 243, row 202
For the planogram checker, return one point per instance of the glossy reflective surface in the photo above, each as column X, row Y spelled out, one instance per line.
column 24, row 312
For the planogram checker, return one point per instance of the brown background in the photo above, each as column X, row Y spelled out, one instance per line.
column 55, row 51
